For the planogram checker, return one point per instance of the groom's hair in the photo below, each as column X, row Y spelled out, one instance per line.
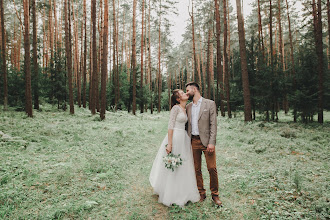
column 195, row 84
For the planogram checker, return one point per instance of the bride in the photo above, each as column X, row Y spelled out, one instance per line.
column 177, row 187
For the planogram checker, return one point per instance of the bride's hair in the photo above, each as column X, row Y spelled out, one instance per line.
column 174, row 97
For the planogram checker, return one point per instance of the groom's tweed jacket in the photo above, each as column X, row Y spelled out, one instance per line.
column 207, row 121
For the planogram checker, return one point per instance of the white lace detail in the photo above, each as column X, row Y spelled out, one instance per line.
column 178, row 118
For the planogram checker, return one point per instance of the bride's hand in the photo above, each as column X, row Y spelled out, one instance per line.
column 169, row 149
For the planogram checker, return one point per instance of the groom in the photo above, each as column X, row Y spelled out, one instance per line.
column 202, row 128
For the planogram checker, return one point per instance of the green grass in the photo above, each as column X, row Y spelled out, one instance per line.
column 61, row 166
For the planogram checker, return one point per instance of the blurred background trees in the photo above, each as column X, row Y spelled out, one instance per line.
column 286, row 66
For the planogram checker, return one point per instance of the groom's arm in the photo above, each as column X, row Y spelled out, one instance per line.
column 213, row 123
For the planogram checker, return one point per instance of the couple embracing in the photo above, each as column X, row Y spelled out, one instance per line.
column 185, row 183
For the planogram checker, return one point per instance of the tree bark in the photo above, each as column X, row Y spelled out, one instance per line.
column 193, row 40
column 149, row 48
column 134, row 57
column 114, row 51
column 159, row 58
column 104, row 62
column 202, row 85
column 35, row 56
column 271, row 55
column 68, row 51
column 260, row 36
column 319, row 52
column 245, row 76
column 27, row 60
column 3, row 57
column 225, row 57
column 281, row 53
column 94, row 61
column 142, row 47
column 55, row 27
column 293, row 72
column 84, row 63
column 50, row 31
column 219, row 65
column 209, row 64
column 76, row 58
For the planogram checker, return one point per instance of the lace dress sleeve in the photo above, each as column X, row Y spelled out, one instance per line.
column 174, row 112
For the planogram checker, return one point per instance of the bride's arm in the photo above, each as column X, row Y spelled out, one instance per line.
column 171, row 123
column 169, row 145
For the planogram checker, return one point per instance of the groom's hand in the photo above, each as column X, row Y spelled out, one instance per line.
column 210, row 148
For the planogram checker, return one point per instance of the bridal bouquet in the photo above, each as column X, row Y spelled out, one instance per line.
column 172, row 161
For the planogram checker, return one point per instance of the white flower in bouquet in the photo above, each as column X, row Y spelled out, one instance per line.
column 172, row 161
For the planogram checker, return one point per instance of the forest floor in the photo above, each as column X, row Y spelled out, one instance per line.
column 61, row 166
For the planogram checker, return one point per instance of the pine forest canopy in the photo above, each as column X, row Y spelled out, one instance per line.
column 121, row 55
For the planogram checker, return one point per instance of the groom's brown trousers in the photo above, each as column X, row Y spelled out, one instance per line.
column 198, row 148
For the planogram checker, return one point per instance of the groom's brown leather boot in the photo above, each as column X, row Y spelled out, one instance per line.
column 203, row 197
column 216, row 200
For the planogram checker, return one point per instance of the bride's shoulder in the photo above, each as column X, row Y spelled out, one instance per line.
column 175, row 108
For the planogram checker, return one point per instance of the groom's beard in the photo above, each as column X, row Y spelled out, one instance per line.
column 191, row 96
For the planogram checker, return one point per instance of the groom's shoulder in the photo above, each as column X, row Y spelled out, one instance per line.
column 189, row 105
column 208, row 100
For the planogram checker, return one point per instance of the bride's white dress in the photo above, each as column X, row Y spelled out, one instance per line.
column 180, row 186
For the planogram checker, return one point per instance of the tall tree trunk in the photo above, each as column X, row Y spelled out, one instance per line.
column 55, row 27
column 84, row 62
column 209, row 65
column 149, row 59
column 117, row 59
column 159, row 58
column 76, row 58
column 272, row 102
column 193, row 40
column 50, row 31
column 281, row 53
column 201, row 74
column 70, row 62
column 104, row 61
column 225, row 57
column 293, row 71
column 44, row 44
column 27, row 60
column 114, row 51
column 260, row 36
column 68, row 51
column 94, row 61
column 149, row 47
column 245, row 76
column 3, row 57
column 319, row 52
column 229, row 46
column 219, row 65
column 35, row 57
column 90, row 91
column 142, row 47
column 98, row 55
column 134, row 57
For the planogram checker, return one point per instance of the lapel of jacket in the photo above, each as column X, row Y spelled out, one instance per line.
column 203, row 104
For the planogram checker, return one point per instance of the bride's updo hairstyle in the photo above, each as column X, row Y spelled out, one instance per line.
column 174, row 97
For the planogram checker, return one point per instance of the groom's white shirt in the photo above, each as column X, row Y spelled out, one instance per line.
column 194, row 116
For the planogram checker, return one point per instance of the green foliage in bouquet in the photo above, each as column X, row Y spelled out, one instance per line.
column 172, row 161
